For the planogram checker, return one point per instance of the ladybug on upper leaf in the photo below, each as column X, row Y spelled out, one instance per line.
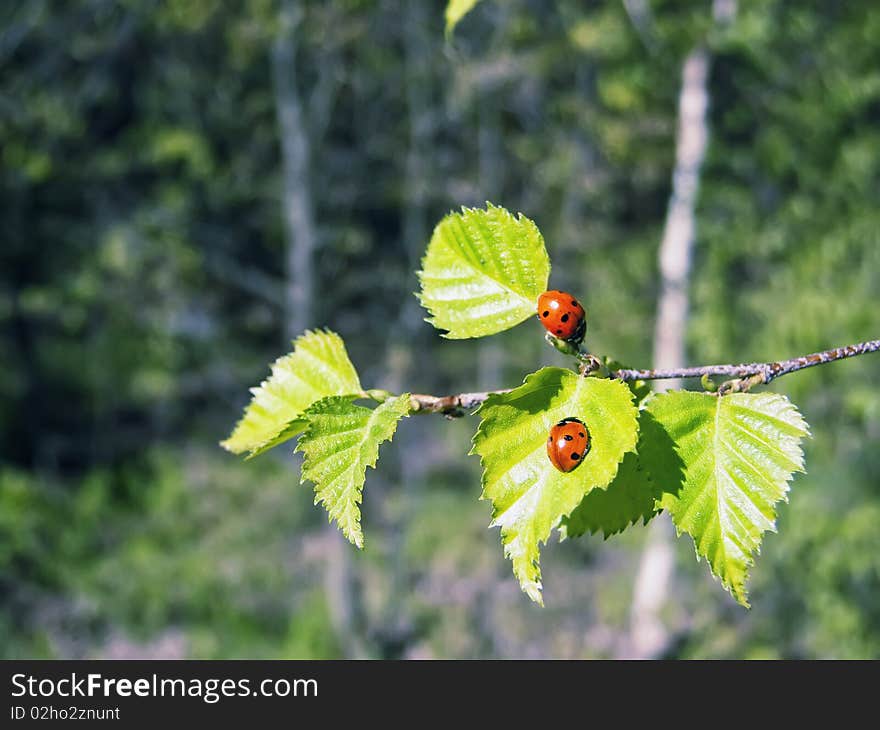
column 562, row 315
column 568, row 444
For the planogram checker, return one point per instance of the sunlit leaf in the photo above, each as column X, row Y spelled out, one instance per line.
column 341, row 440
column 529, row 496
column 483, row 272
column 739, row 453
column 317, row 367
column 633, row 496
column 455, row 11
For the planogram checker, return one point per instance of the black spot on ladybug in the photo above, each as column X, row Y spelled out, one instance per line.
column 574, row 303
column 575, row 456
column 568, row 437
column 545, row 314
column 565, row 318
column 581, row 434
column 559, row 332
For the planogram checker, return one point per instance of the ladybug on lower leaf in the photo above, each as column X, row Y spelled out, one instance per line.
column 568, row 444
column 562, row 315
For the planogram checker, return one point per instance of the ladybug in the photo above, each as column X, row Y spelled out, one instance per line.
column 568, row 444
column 562, row 315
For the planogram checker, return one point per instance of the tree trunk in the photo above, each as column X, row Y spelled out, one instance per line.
column 678, row 235
column 406, row 356
column 300, row 228
column 297, row 206
column 648, row 636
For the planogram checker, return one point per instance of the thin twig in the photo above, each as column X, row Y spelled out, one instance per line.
column 767, row 370
column 750, row 374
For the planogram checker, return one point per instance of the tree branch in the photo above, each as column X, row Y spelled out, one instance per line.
column 767, row 371
column 750, row 374
column 451, row 406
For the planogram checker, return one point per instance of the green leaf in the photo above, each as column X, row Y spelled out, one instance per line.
column 318, row 367
column 342, row 439
column 455, row 11
column 529, row 496
column 658, row 457
column 739, row 453
column 632, row 496
column 483, row 272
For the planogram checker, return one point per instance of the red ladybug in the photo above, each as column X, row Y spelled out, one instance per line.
column 562, row 315
column 568, row 444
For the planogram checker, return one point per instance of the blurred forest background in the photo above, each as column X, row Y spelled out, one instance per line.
column 185, row 185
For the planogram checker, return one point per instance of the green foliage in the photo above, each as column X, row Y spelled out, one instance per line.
column 483, row 272
column 317, row 367
column 719, row 465
column 173, row 565
column 632, row 496
column 529, row 496
column 455, row 11
column 624, row 502
column 342, row 439
column 739, row 453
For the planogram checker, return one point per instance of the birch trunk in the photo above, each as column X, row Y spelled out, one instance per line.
column 297, row 205
column 300, row 230
column 406, row 354
column 648, row 637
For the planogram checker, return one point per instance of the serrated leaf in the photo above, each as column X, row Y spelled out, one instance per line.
column 529, row 496
column 317, row 367
column 739, row 453
column 455, row 11
column 658, row 457
column 483, row 272
column 631, row 497
column 342, row 439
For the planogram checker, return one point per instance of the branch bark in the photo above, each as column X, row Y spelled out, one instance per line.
column 758, row 373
